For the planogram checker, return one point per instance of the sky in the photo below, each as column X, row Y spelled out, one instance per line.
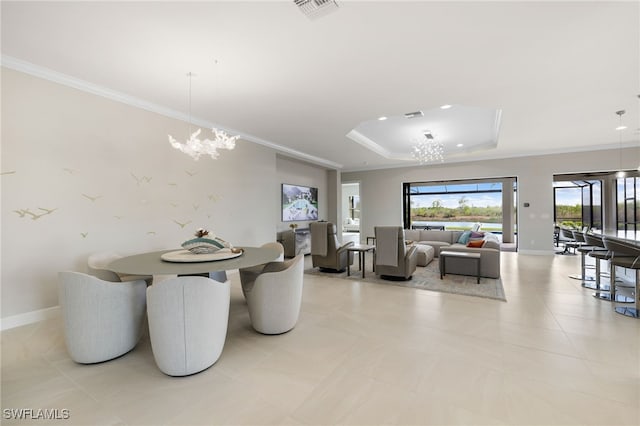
column 568, row 196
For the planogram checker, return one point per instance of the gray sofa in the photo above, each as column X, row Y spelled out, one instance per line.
column 448, row 240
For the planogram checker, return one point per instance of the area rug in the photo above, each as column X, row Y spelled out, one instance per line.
column 426, row 278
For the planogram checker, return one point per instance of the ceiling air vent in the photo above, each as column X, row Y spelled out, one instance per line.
column 316, row 8
column 415, row 114
column 428, row 135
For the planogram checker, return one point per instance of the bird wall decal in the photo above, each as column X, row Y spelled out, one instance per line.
column 22, row 212
column 182, row 225
column 92, row 198
column 143, row 179
column 34, row 216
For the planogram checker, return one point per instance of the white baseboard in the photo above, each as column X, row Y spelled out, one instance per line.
column 29, row 317
column 538, row 252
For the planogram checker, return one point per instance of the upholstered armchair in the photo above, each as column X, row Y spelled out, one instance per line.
column 274, row 294
column 188, row 318
column 326, row 251
column 393, row 258
column 102, row 319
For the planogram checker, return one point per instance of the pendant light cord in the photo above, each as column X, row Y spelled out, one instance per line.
column 190, row 74
column 621, row 173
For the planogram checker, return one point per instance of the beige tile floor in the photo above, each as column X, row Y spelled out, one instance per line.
column 367, row 354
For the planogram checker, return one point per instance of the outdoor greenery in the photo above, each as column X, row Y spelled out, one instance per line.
column 569, row 216
column 463, row 213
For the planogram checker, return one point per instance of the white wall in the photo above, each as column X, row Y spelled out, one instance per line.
column 113, row 182
column 381, row 190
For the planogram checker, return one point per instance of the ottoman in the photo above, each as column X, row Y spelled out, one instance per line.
column 425, row 254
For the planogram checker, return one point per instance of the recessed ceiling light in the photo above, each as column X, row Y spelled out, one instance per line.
column 460, row 145
column 382, row 118
column 447, row 106
column 621, row 127
column 414, row 114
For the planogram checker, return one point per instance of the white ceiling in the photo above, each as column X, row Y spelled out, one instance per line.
column 459, row 128
column 557, row 72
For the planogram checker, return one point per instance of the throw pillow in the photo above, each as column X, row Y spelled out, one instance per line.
column 477, row 234
column 491, row 237
column 475, row 243
column 464, row 238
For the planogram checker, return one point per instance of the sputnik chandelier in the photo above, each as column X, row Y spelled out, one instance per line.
column 196, row 147
column 428, row 150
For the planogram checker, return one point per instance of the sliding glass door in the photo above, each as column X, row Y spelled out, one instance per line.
column 628, row 207
column 578, row 204
column 461, row 204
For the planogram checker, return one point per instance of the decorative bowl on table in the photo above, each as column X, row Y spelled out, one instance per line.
column 205, row 243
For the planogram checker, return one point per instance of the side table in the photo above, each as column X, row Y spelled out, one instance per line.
column 361, row 249
column 460, row 255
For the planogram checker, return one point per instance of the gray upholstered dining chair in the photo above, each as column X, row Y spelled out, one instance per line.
column 393, row 259
column 326, row 252
column 102, row 319
column 252, row 271
column 98, row 266
column 276, row 245
column 274, row 294
column 188, row 318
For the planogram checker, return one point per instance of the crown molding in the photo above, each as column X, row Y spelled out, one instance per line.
column 94, row 89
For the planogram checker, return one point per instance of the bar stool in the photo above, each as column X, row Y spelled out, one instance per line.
column 625, row 255
column 569, row 241
column 603, row 290
column 584, row 249
column 600, row 253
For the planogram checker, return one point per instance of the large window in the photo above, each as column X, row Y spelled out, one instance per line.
column 456, row 205
column 628, row 207
column 578, row 204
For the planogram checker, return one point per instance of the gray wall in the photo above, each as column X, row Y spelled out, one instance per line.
column 113, row 183
column 381, row 190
